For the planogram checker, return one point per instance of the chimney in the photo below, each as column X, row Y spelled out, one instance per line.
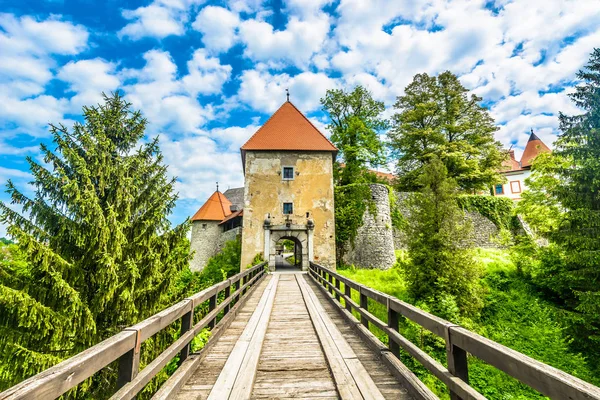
column 511, row 152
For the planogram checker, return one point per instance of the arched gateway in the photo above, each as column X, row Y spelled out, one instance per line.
column 301, row 235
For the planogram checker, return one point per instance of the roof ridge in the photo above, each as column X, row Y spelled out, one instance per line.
column 313, row 125
column 263, row 125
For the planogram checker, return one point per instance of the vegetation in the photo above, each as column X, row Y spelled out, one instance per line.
column 351, row 201
column 442, row 272
column 96, row 251
column 355, row 126
column 5, row 241
column 514, row 314
column 568, row 180
column 436, row 118
column 499, row 210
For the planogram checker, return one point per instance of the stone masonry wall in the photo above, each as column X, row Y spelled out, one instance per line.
column 206, row 236
column 374, row 243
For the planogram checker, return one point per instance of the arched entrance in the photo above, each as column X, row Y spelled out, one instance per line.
column 300, row 235
column 288, row 253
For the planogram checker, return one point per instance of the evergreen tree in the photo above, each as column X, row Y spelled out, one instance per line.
column 99, row 250
column 355, row 126
column 577, row 277
column 442, row 271
column 436, row 118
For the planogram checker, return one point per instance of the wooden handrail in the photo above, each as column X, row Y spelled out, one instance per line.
column 125, row 345
column 547, row 380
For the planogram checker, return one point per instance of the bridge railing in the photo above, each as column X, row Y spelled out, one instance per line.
column 547, row 380
column 125, row 346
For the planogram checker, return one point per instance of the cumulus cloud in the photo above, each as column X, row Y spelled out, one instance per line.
column 218, row 26
column 88, row 79
column 266, row 92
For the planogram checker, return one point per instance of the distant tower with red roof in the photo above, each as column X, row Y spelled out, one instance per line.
column 517, row 171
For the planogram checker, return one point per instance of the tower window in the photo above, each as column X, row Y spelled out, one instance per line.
column 288, row 208
column 203, row 226
column 288, row 173
column 499, row 189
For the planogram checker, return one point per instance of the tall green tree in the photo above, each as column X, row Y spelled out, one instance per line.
column 577, row 276
column 442, row 271
column 99, row 251
column 355, row 126
column 437, row 118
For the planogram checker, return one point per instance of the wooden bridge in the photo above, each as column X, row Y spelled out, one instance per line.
column 294, row 335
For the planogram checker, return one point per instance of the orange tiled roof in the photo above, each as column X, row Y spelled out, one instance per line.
column 216, row 208
column 238, row 213
column 511, row 164
column 288, row 129
column 534, row 147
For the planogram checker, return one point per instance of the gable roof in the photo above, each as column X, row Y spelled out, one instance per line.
column 216, row 208
column 534, row 147
column 288, row 129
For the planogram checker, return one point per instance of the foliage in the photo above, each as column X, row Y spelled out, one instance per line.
column 98, row 249
column 538, row 208
column 499, row 210
column 514, row 314
column 570, row 178
column 436, row 118
column 351, row 201
column 441, row 268
column 355, row 126
column 398, row 220
column 5, row 241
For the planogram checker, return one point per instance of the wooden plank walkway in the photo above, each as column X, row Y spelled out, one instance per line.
column 287, row 341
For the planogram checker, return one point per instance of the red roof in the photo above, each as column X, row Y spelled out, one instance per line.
column 288, row 129
column 216, row 208
column 511, row 164
column 534, row 147
column 238, row 213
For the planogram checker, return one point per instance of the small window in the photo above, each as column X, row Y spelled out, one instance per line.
column 288, row 208
column 499, row 189
column 288, row 173
column 204, row 226
column 515, row 186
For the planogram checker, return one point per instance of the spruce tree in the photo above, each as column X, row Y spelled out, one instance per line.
column 577, row 277
column 437, row 118
column 441, row 271
column 99, row 251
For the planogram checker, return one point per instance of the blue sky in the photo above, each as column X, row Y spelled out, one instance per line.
column 206, row 74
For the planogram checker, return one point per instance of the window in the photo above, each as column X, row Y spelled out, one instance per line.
column 288, row 173
column 204, row 226
column 499, row 189
column 288, row 208
column 515, row 186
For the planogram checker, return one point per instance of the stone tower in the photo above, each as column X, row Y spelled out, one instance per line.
column 206, row 238
column 288, row 192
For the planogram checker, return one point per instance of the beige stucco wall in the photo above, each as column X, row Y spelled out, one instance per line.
column 311, row 191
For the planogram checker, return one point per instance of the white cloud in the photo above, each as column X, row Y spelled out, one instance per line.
column 301, row 39
column 206, row 75
column 160, row 19
column 265, row 92
column 218, row 26
column 88, row 79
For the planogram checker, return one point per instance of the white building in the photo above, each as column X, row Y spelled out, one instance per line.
column 517, row 171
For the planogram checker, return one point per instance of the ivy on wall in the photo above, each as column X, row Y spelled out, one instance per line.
column 351, row 201
column 499, row 210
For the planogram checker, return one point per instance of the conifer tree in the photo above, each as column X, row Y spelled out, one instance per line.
column 99, row 251
column 441, row 272
column 577, row 277
column 437, row 118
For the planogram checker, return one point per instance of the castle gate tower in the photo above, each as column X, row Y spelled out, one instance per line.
column 288, row 192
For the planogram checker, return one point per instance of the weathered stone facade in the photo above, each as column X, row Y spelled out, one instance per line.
column 206, row 237
column 373, row 246
column 310, row 192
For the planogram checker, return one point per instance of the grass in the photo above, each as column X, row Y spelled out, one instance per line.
column 514, row 315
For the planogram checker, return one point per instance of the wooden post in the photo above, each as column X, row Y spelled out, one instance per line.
column 457, row 362
column 348, row 293
column 364, row 304
column 227, row 293
column 330, row 279
column 212, row 304
column 187, row 321
column 393, row 324
column 237, row 287
column 337, row 286
column 129, row 363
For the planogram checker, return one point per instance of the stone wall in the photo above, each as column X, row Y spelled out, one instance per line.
column 376, row 239
column 373, row 246
column 205, row 242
